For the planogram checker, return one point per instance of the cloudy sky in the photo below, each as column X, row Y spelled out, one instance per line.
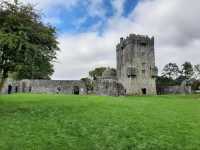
column 88, row 31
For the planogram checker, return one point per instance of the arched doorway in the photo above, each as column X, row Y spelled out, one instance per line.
column 9, row 89
column 144, row 91
column 76, row 90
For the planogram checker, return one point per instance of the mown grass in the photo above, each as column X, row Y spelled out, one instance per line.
column 60, row 122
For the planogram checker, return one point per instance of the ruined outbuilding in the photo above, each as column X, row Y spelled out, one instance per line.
column 108, row 84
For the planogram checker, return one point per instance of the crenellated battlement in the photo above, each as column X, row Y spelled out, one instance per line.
column 141, row 40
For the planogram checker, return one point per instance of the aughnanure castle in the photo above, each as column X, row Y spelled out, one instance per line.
column 135, row 74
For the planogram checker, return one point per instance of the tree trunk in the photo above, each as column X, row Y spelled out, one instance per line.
column 3, row 78
column 1, row 84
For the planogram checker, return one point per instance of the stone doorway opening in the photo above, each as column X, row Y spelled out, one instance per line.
column 144, row 91
column 76, row 90
column 9, row 89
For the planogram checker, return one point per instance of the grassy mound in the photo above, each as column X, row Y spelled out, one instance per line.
column 60, row 122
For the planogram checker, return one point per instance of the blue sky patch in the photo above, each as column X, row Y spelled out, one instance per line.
column 78, row 18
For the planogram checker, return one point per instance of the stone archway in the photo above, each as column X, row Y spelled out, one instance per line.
column 76, row 90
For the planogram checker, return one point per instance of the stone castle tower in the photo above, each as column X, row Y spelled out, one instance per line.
column 136, row 68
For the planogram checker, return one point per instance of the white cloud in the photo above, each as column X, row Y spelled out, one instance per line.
column 83, row 52
column 118, row 6
column 174, row 23
column 47, row 4
column 96, row 8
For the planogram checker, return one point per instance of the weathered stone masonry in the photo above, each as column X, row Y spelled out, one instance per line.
column 108, row 84
column 136, row 68
column 46, row 86
column 136, row 72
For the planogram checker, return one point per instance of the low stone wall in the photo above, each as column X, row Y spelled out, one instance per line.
column 173, row 89
column 46, row 86
column 7, row 83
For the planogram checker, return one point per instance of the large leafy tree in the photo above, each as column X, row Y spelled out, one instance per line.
column 165, row 81
column 88, row 83
column 197, row 71
column 171, row 71
column 97, row 72
column 27, row 46
column 187, row 70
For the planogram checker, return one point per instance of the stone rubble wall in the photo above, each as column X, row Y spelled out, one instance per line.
column 177, row 89
column 109, row 87
column 45, row 86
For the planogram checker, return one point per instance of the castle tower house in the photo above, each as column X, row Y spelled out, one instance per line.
column 136, row 68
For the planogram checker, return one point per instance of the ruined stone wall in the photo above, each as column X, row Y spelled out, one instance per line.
column 108, row 87
column 177, row 89
column 10, row 82
column 50, row 86
column 46, row 86
column 136, row 64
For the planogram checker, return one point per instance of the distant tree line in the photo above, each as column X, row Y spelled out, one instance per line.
column 172, row 74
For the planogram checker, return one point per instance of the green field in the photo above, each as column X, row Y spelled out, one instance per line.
column 60, row 122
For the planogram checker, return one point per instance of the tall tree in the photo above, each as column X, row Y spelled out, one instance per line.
column 197, row 71
column 187, row 70
column 27, row 46
column 171, row 71
column 97, row 72
column 88, row 83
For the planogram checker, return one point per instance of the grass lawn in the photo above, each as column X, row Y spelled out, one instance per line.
column 60, row 122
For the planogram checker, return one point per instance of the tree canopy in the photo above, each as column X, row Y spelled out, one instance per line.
column 171, row 70
column 172, row 75
column 187, row 70
column 197, row 71
column 27, row 45
column 97, row 72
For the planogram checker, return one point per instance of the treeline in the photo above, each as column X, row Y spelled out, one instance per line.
column 172, row 74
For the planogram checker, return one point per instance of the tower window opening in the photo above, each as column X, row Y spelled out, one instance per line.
column 131, row 72
column 131, row 76
column 143, row 43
